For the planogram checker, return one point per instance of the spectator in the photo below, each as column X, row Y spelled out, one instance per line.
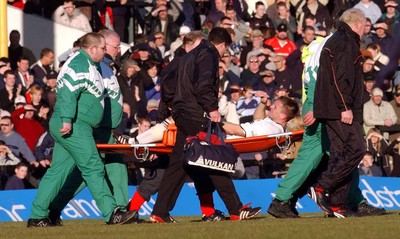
column 377, row 145
column 320, row 11
column 396, row 103
column 370, row 9
column 366, row 39
column 15, row 141
column 159, row 43
column 15, row 50
column 380, row 60
column 9, row 92
column 247, row 104
column 378, row 112
column 257, row 38
column 6, row 155
column 311, row 21
column 268, row 85
column 227, row 105
column 215, row 15
column 260, row 20
column 367, row 167
column 251, row 76
column 152, row 109
column 283, row 75
column 391, row 16
column 42, row 67
column 4, row 66
column 50, row 90
column 160, row 20
column 280, row 43
column 17, row 180
column 381, row 37
column 369, row 81
column 393, row 151
column 307, row 36
column 153, row 93
column 42, row 113
column 25, row 125
column 230, row 68
column 284, row 17
column 240, row 27
column 22, row 74
column 68, row 15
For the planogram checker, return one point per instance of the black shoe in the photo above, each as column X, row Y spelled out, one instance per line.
column 216, row 216
column 321, row 198
column 119, row 217
column 364, row 209
column 292, row 203
column 281, row 209
column 44, row 222
column 55, row 218
column 343, row 212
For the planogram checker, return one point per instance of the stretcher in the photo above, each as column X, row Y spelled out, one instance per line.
column 242, row 145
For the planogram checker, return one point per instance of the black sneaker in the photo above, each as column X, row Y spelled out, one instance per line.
column 55, row 218
column 119, row 217
column 343, row 212
column 281, row 209
column 44, row 222
column 216, row 216
column 321, row 198
column 292, row 203
column 364, row 209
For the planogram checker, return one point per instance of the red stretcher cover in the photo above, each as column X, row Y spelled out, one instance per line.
column 242, row 145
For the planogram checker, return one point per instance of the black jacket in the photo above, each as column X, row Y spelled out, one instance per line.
column 197, row 88
column 341, row 89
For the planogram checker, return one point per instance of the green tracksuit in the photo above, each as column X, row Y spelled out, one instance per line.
column 116, row 172
column 315, row 142
column 80, row 101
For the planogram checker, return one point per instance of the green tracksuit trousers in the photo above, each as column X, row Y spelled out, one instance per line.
column 116, row 177
column 73, row 154
column 315, row 145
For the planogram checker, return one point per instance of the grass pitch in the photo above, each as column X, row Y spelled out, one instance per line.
column 310, row 226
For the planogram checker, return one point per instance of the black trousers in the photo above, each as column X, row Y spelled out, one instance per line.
column 346, row 152
column 205, row 181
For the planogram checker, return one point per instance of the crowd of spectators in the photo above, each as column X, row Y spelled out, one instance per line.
column 268, row 39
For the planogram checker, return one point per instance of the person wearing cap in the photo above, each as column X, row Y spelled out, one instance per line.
column 391, row 16
column 50, row 89
column 280, row 43
column 369, row 81
column 370, row 9
column 257, row 38
column 378, row 112
column 26, row 125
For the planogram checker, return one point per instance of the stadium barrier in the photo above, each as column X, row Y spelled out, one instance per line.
column 379, row 191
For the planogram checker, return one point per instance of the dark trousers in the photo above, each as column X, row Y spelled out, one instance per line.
column 175, row 174
column 346, row 152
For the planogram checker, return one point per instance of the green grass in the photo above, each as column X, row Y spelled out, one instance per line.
column 310, row 226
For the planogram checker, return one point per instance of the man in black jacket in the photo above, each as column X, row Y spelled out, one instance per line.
column 338, row 101
column 195, row 103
